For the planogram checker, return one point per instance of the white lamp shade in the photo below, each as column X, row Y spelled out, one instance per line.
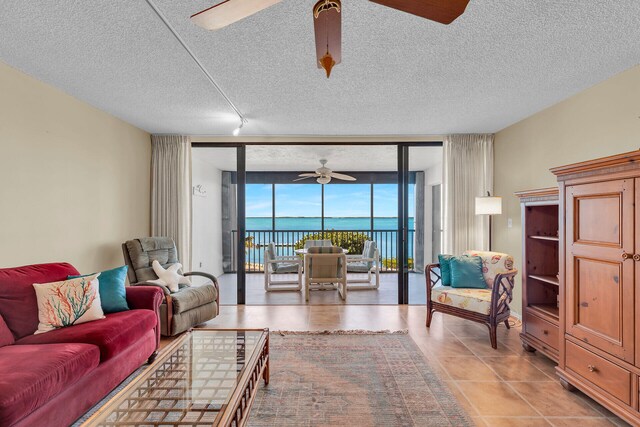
column 488, row 205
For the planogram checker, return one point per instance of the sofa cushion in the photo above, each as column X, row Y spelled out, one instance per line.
column 111, row 334
column 68, row 302
column 492, row 264
column 476, row 300
column 190, row 298
column 30, row 375
column 113, row 296
column 6, row 337
column 18, row 304
column 445, row 268
column 466, row 272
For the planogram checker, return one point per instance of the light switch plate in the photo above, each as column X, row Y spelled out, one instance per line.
column 509, row 223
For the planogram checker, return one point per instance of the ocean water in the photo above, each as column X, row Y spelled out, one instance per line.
column 291, row 229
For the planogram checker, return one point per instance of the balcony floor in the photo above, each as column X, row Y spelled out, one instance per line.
column 386, row 294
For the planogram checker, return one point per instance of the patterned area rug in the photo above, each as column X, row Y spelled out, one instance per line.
column 352, row 379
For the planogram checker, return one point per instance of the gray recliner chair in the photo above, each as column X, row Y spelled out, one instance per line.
column 181, row 310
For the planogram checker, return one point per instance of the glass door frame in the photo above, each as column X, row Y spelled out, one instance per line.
column 403, row 203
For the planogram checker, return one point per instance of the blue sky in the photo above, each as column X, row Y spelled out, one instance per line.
column 341, row 200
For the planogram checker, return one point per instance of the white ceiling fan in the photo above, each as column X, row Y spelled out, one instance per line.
column 324, row 174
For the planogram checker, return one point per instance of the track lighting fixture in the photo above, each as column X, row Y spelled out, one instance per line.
column 236, row 131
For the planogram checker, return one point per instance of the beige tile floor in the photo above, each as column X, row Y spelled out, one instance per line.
column 503, row 387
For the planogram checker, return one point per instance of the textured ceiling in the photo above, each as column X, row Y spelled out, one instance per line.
column 307, row 158
column 400, row 75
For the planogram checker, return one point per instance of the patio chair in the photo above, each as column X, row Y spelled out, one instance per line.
column 489, row 306
column 324, row 265
column 368, row 262
column 323, row 243
column 274, row 264
column 180, row 310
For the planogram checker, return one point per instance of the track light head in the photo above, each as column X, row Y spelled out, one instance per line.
column 236, row 131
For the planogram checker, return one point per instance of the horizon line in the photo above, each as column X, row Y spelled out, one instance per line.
column 367, row 217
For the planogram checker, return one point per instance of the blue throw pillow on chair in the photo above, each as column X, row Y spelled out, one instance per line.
column 445, row 268
column 466, row 272
column 113, row 294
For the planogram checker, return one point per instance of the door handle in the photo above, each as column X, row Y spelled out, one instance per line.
column 636, row 257
column 625, row 256
column 592, row 368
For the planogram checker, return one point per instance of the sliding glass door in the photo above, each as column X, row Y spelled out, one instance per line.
column 247, row 196
column 420, row 223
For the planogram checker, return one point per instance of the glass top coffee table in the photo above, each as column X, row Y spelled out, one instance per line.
column 207, row 377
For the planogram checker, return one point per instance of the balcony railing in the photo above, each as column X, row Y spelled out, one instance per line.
column 285, row 240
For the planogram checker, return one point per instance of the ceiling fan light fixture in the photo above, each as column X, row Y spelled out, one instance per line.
column 327, row 63
column 327, row 22
column 324, row 180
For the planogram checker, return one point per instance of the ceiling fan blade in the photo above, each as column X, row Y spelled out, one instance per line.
column 341, row 176
column 443, row 11
column 309, row 174
column 306, row 177
column 228, row 12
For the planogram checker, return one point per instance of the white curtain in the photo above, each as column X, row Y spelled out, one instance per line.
column 467, row 174
column 171, row 192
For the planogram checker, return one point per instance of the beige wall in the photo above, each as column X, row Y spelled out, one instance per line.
column 74, row 181
column 597, row 122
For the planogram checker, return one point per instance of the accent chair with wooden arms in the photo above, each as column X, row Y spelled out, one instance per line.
column 181, row 310
column 489, row 306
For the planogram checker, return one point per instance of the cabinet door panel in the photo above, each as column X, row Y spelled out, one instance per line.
column 598, row 220
column 600, row 267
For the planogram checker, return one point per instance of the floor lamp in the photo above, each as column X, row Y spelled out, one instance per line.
column 489, row 205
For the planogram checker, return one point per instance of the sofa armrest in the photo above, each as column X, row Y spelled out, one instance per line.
column 146, row 298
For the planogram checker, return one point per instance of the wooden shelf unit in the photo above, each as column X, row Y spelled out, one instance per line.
column 552, row 311
column 552, row 238
column 540, row 266
column 552, row 280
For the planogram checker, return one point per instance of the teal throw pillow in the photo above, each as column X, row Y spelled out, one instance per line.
column 445, row 268
column 466, row 272
column 113, row 294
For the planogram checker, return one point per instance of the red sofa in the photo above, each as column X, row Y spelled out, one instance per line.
column 53, row 378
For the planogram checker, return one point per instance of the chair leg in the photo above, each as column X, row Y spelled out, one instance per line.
column 429, row 315
column 493, row 335
column 506, row 323
column 153, row 356
column 377, row 277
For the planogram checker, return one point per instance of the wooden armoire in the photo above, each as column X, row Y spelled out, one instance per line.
column 600, row 280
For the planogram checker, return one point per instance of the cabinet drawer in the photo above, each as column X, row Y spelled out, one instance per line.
column 607, row 375
column 542, row 330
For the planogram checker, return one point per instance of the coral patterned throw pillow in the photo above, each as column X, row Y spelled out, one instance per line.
column 67, row 303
